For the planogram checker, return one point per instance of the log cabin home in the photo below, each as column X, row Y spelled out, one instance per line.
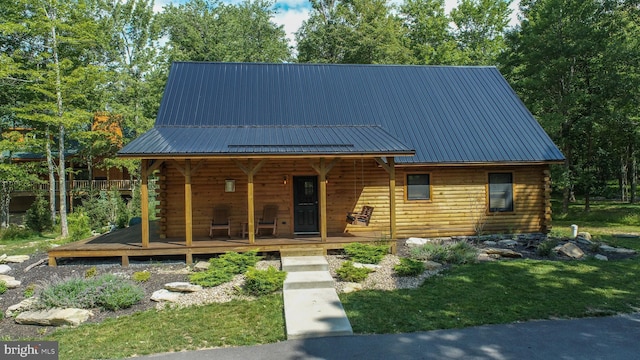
column 432, row 150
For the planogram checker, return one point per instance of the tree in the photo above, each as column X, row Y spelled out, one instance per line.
column 479, row 29
column 352, row 32
column 202, row 30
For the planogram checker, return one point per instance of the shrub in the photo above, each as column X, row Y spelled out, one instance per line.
column 3, row 287
column 91, row 272
column 15, row 232
column 212, row 277
column 38, row 217
column 107, row 292
column 545, row 248
column 29, row 291
column 457, row 253
column 409, row 267
column 141, row 276
column 365, row 253
column 239, row 263
column 348, row 272
column 262, row 282
column 78, row 225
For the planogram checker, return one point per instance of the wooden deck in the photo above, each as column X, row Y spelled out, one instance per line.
column 126, row 243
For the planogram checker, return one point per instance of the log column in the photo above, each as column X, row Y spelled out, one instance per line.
column 144, row 202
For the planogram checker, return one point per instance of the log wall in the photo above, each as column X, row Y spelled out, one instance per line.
column 458, row 204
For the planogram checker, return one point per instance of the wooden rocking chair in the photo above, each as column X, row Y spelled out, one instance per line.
column 360, row 218
column 221, row 220
column 269, row 219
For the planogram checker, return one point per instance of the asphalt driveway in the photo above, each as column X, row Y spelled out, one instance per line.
column 616, row 337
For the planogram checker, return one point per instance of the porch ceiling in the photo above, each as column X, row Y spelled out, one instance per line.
column 272, row 141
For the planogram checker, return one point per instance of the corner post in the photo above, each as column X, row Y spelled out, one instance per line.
column 323, row 200
column 392, row 200
column 251, row 204
column 188, row 210
column 144, row 201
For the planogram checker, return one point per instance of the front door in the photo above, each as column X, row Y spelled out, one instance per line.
column 305, row 204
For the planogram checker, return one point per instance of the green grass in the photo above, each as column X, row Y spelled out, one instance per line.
column 499, row 292
column 28, row 246
column 235, row 323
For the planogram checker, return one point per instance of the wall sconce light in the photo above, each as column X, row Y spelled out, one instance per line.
column 229, row 185
column 326, row 180
column 285, row 180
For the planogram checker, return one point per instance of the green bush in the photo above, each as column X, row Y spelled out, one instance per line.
column 3, row 287
column 15, row 232
column 212, row 277
column 29, row 291
column 545, row 248
column 457, row 253
column 107, row 292
column 262, row 282
column 91, row 272
column 141, row 276
column 365, row 253
column 348, row 272
column 98, row 209
column 409, row 267
column 78, row 223
column 38, row 217
column 223, row 268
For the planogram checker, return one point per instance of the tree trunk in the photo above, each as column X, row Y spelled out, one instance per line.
column 5, row 201
column 623, row 178
column 52, row 179
column 64, row 229
column 634, row 176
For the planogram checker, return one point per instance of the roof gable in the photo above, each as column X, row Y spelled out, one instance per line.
column 447, row 114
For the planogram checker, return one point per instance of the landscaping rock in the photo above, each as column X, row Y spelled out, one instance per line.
column 4, row 269
column 502, row 252
column 2, row 257
column 416, row 242
column 201, row 266
column 16, row 259
column 584, row 235
column 22, row 306
column 165, row 295
column 11, row 282
column 54, row 317
column 182, row 287
column 432, row 265
column 614, row 250
column 490, row 243
column 571, row 250
column 584, row 241
column 373, row 267
column 507, row 243
column 351, row 287
column 601, row 257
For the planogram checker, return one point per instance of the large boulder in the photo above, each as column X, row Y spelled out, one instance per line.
column 165, row 295
column 16, row 258
column 54, row 317
column 11, row 282
column 182, row 287
column 508, row 253
column 4, row 269
column 571, row 250
column 416, row 242
column 22, row 306
column 615, row 250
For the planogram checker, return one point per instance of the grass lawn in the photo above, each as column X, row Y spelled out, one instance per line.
column 465, row 295
column 29, row 245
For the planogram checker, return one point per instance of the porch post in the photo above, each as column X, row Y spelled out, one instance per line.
column 188, row 211
column 392, row 197
column 144, row 202
column 323, row 200
column 251, row 205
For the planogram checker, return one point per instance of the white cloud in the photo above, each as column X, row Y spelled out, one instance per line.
column 291, row 20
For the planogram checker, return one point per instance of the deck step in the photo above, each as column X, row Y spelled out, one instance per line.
column 309, row 251
column 309, row 280
column 304, row 263
column 313, row 313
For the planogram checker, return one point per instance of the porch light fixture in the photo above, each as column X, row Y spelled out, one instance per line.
column 229, row 185
column 285, row 179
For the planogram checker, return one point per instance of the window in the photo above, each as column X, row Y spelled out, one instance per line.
column 500, row 192
column 418, row 187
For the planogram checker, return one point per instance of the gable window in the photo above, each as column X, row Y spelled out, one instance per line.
column 418, row 187
column 500, row 192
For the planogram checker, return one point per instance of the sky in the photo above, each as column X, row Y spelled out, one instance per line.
column 291, row 13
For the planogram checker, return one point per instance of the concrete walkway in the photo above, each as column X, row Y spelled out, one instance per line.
column 311, row 305
column 606, row 338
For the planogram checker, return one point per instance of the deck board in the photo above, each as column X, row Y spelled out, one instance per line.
column 128, row 242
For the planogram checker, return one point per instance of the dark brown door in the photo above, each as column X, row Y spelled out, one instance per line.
column 305, row 204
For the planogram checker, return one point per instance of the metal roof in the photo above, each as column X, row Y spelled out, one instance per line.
column 281, row 140
column 447, row 114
